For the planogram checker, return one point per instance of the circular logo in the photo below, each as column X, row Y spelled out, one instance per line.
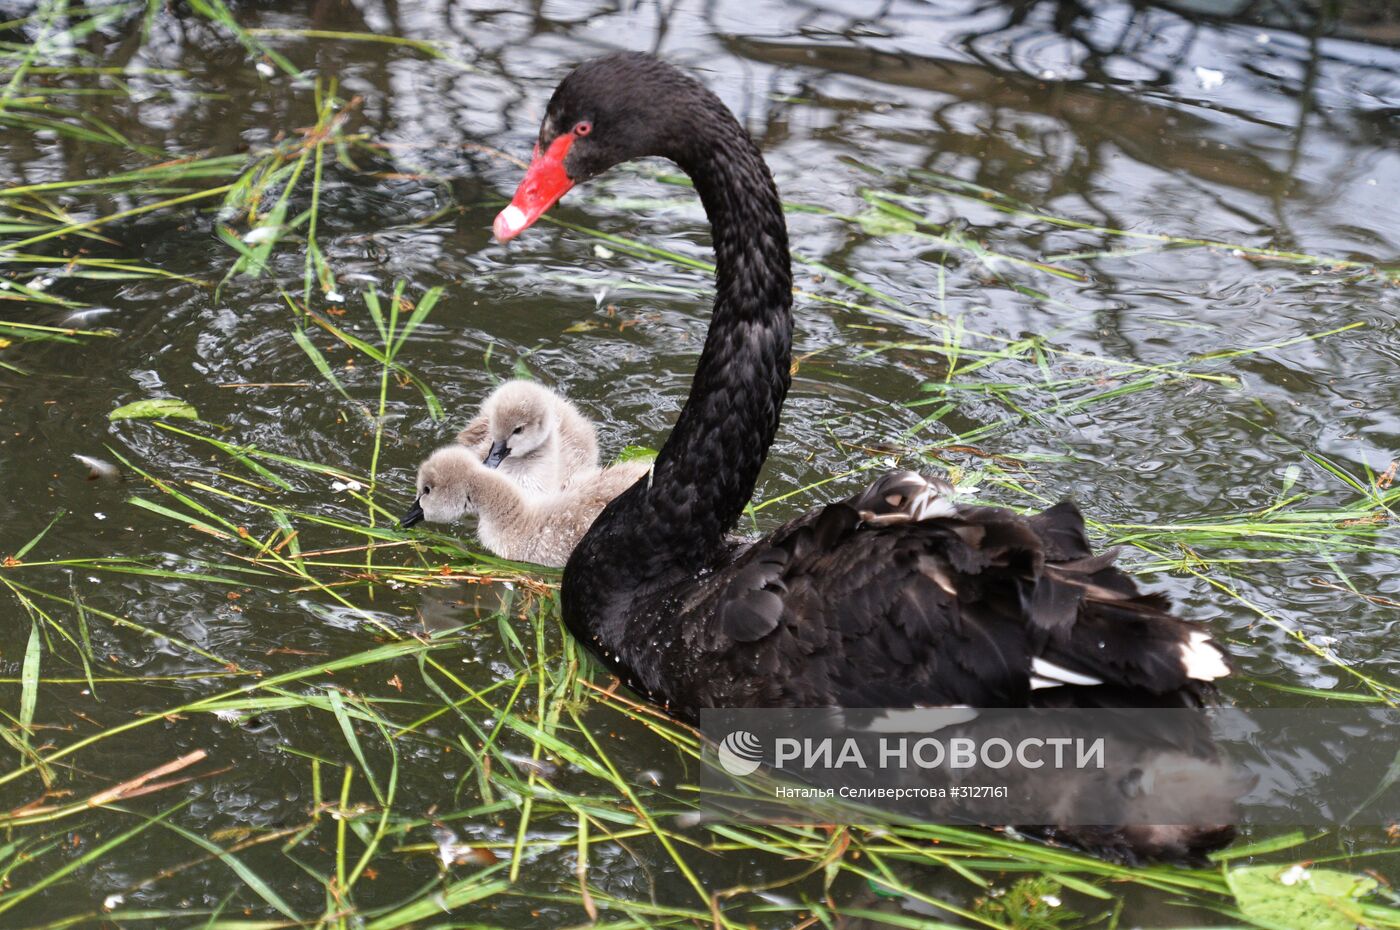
column 741, row 753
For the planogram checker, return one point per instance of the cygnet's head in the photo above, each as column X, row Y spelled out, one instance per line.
column 524, row 418
column 444, row 486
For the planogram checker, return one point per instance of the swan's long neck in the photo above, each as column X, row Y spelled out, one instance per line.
column 707, row 469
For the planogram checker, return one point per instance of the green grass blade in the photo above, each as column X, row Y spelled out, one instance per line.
column 248, row 876
column 24, row 550
column 29, row 680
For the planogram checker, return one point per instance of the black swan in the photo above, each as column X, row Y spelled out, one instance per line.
column 896, row 597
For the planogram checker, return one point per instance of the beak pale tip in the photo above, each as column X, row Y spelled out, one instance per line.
column 509, row 223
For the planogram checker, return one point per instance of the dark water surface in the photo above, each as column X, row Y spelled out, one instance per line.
column 1163, row 384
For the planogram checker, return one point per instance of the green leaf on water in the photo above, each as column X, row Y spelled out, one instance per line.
column 376, row 313
column 319, row 360
column 1292, row 896
column 249, row 877
column 420, row 313
column 29, row 680
column 1272, row 844
column 635, row 453
column 878, row 223
column 156, row 408
column 337, row 703
column 24, row 550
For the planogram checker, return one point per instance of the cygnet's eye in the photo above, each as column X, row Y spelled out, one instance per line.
column 518, row 429
column 426, row 491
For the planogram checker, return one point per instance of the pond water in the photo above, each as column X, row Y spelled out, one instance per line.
column 1139, row 255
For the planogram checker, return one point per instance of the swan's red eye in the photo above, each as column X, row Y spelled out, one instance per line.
column 583, row 128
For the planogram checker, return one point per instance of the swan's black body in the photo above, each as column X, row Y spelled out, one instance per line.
column 892, row 598
column 832, row 610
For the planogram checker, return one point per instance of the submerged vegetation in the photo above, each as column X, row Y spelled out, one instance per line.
column 457, row 759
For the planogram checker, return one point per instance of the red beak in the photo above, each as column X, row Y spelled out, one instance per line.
column 544, row 183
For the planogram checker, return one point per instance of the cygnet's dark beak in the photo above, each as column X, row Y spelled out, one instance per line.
column 498, row 454
column 414, row 515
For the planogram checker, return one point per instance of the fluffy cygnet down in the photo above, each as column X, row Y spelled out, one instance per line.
column 534, row 436
column 516, row 524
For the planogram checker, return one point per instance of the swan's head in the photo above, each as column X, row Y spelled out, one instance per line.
column 445, row 484
column 607, row 111
column 523, row 419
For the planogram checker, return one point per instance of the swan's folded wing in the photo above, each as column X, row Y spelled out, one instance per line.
column 754, row 603
column 872, row 605
column 1061, row 531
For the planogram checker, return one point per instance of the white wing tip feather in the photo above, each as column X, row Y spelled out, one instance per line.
column 1046, row 674
column 1202, row 659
